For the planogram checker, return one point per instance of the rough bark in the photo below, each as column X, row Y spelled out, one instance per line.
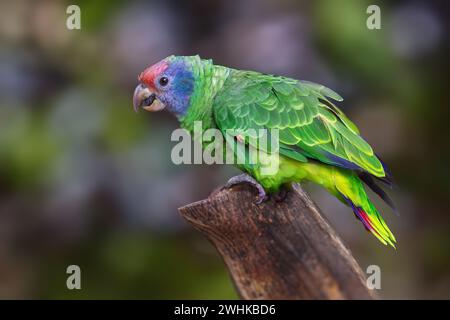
column 277, row 250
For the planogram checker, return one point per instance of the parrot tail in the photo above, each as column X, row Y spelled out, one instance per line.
column 352, row 190
column 374, row 223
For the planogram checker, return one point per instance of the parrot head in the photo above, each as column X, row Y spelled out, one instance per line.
column 167, row 84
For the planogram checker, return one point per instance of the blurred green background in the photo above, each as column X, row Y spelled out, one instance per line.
column 84, row 180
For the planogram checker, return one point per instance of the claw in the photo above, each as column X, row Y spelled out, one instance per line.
column 245, row 178
column 280, row 195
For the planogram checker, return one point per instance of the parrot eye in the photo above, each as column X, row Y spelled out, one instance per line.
column 163, row 81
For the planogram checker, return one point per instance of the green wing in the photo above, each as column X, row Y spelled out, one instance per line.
column 310, row 125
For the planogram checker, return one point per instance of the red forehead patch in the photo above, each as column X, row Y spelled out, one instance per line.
column 148, row 75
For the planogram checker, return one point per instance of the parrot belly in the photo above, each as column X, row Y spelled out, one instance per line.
column 290, row 170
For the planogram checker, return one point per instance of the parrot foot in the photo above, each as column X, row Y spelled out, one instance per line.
column 245, row 178
column 281, row 195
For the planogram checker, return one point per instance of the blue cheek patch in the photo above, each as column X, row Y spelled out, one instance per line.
column 181, row 88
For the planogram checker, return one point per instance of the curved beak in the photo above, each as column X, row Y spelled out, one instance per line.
column 146, row 99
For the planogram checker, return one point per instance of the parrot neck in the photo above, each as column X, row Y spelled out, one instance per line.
column 210, row 79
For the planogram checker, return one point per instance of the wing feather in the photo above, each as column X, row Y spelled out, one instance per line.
column 310, row 125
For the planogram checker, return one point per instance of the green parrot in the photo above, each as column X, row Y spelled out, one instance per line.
column 316, row 141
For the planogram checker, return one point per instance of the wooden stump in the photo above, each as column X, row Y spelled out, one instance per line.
column 277, row 250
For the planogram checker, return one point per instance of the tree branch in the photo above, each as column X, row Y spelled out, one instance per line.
column 284, row 250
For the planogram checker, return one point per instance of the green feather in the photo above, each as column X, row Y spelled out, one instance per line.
column 300, row 110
